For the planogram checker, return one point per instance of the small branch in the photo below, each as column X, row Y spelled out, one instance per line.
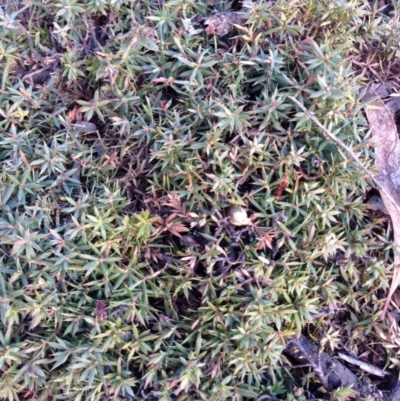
column 35, row 56
column 32, row 74
column 363, row 365
column 266, row 397
column 304, row 365
column 328, row 313
column 349, row 151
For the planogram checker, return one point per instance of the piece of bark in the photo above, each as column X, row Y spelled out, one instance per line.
column 331, row 372
column 395, row 393
column 376, row 203
column 222, row 23
column 393, row 104
column 387, row 150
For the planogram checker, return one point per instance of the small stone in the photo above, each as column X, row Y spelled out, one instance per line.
column 84, row 126
column 238, row 216
column 376, row 203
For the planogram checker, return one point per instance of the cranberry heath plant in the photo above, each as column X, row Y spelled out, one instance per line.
column 127, row 133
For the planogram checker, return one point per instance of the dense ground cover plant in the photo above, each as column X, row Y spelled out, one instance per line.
column 127, row 132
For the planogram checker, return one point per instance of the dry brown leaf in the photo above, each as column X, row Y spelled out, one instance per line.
column 177, row 228
column 71, row 115
column 387, row 151
column 153, row 254
column 396, row 298
column 168, row 224
column 24, row 158
column 282, row 185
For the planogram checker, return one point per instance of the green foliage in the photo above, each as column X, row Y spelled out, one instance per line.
column 117, row 169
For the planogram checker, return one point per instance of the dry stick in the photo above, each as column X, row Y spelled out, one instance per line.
column 349, row 151
column 363, row 365
column 396, row 277
column 30, row 75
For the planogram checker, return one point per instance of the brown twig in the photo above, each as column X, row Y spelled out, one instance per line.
column 32, row 74
column 363, row 365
